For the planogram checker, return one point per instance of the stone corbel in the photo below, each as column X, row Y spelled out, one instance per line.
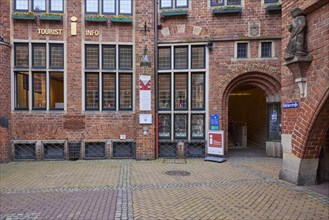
column 299, row 66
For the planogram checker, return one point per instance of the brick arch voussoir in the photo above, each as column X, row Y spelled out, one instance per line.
column 315, row 132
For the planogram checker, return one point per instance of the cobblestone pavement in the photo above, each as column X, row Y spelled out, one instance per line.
column 244, row 187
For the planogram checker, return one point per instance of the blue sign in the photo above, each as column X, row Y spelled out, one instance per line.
column 214, row 121
column 290, row 105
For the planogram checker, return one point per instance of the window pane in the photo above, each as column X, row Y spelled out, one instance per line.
column 92, row 6
column 92, row 56
column 180, row 126
column 181, row 3
column 109, row 57
column 92, row 91
column 56, row 5
column 217, row 2
column 109, row 6
column 164, row 91
column 39, row 90
column 198, row 95
column 164, row 126
column 125, row 91
column 165, row 58
column 21, row 55
column 108, row 91
column 39, row 55
column 22, row 5
column 39, row 5
column 233, row 2
column 180, row 91
column 22, row 90
column 125, row 57
column 56, row 56
column 242, row 50
column 271, row 1
column 197, row 126
column 198, row 57
column 266, row 49
column 180, row 57
column 166, row 3
column 125, row 7
column 56, row 90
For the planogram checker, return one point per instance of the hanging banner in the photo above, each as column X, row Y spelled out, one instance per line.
column 216, row 142
column 145, row 93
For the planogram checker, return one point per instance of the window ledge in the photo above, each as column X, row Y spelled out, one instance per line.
column 121, row 20
column 273, row 8
column 217, row 11
column 172, row 13
column 50, row 17
column 23, row 17
column 95, row 19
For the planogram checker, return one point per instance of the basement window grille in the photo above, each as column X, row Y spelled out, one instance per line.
column 25, row 151
column 53, row 151
column 95, row 150
column 196, row 149
column 123, row 149
column 168, row 149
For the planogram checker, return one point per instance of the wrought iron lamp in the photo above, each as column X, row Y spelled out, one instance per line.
column 146, row 60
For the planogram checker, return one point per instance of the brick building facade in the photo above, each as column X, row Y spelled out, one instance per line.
column 305, row 129
column 76, row 79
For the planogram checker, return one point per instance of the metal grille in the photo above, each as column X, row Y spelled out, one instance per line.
column 74, row 150
column 25, row 151
column 123, row 149
column 168, row 149
column 94, row 150
column 196, row 149
column 53, row 150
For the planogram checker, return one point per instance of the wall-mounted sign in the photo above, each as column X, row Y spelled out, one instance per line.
column 214, row 122
column 216, row 142
column 92, row 32
column 46, row 31
column 74, row 122
column 290, row 105
column 145, row 93
column 145, row 119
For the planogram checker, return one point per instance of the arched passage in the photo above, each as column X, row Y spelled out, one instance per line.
column 252, row 100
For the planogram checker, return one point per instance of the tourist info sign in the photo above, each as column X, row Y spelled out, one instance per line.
column 216, row 142
column 145, row 93
column 214, row 121
column 290, row 105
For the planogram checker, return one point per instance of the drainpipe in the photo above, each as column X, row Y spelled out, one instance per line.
column 156, row 76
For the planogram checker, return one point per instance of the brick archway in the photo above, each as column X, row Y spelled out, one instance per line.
column 319, row 127
column 267, row 83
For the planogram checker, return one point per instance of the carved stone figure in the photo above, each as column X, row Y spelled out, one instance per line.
column 297, row 44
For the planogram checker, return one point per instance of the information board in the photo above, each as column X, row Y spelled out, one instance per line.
column 216, row 142
column 214, row 121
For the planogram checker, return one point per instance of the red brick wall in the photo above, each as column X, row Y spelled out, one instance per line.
column 224, row 31
column 300, row 122
column 5, row 80
column 42, row 125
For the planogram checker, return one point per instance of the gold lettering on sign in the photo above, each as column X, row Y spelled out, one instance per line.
column 74, row 122
column 44, row 31
column 232, row 73
column 92, row 32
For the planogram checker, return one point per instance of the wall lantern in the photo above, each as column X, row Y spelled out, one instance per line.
column 146, row 60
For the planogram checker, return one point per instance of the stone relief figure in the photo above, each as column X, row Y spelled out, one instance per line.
column 297, row 44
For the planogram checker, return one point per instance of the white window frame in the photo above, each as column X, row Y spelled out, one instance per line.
column 173, row 6
column 101, row 8
column 30, row 4
column 225, row 4
column 30, row 70
column 273, row 55
column 236, row 50
column 172, row 71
